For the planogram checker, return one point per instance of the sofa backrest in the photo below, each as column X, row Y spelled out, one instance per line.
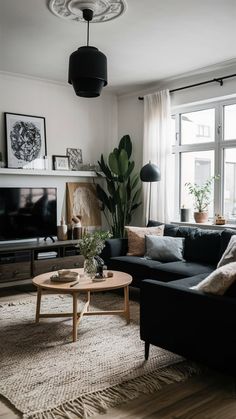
column 201, row 245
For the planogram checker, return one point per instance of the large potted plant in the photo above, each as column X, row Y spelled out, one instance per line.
column 121, row 197
column 201, row 196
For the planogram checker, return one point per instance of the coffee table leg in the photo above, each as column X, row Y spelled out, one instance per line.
column 75, row 316
column 88, row 300
column 126, row 302
column 39, row 294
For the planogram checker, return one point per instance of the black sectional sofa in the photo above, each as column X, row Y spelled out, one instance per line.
column 202, row 251
column 173, row 316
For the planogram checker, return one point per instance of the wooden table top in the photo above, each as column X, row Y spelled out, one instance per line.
column 119, row 280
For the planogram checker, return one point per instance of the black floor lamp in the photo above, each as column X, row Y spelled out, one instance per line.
column 150, row 173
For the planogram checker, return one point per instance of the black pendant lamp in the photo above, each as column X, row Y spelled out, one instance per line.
column 88, row 67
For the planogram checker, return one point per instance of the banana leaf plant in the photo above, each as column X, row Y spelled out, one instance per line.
column 122, row 195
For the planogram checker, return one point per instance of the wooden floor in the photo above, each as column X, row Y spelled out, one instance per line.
column 209, row 396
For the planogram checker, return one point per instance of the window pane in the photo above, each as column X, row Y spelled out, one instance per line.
column 230, row 122
column 198, row 127
column 196, row 167
column 230, row 183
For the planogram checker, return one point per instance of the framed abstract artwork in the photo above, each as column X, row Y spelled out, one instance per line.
column 75, row 156
column 25, row 139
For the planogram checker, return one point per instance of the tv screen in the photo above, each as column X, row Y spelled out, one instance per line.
column 27, row 213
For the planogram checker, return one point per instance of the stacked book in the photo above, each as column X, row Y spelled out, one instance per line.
column 46, row 255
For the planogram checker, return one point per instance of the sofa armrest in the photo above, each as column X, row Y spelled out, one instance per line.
column 188, row 322
column 114, row 247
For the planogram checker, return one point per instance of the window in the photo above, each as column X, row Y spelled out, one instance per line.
column 198, row 127
column 205, row 145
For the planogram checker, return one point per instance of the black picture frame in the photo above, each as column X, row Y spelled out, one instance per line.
column 60, row 162
column 25, row 137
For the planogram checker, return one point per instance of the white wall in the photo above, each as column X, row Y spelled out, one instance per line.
column 89, row 124
column 130, row 109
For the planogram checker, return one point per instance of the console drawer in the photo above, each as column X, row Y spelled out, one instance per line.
column 15, row 271
column 49, row 265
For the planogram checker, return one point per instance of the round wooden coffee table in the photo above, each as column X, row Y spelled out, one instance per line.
column 44, row 283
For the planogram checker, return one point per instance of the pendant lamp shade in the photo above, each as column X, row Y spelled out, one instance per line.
column 88, row 71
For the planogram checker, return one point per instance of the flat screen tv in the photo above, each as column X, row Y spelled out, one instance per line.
column 27, row 213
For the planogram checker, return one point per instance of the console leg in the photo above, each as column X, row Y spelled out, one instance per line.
column 147, row 346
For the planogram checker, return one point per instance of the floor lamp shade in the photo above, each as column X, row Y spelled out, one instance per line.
column 150, row 173
column 88, row 71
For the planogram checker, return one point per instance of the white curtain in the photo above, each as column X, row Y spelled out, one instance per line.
column 157, row 149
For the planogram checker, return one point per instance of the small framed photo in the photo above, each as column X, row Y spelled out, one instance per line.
column 25, row 139
column 75, row 156
column 60, row 163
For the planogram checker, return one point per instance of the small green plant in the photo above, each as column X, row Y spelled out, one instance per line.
column 92, row 244
column 201, row 194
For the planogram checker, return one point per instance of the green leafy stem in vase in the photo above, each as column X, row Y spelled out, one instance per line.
column 92, row 244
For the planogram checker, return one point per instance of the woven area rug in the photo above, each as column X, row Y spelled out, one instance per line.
column 46, row 376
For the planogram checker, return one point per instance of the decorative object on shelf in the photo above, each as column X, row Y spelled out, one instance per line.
column 150, row 173
column 202, row 198
column 184, row 214
column 60, row 162
column 90, row 247
column 88, row 65
column 62, row 230
column 2, row 163
column 25, row 139
column 75, row 158
column 123, row 187
column 78, row 231
column 82, row 199
column 220, row 220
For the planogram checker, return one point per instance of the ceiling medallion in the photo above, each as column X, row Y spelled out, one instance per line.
column 103, row 10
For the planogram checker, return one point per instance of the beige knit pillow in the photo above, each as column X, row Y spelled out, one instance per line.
column 136, row 238
column 219, row 280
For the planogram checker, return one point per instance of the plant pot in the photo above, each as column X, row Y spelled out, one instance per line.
column 201, row 217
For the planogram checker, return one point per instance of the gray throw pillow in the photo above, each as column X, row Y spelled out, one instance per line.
column 164, row 249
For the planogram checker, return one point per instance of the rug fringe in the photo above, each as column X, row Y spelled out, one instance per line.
column 99, row 401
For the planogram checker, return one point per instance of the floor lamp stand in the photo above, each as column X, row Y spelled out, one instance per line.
column 150, row 198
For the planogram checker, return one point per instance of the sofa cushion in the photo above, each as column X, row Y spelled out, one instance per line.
column 133, row 265
column 177, row 270
column 201, row 245
column 190, row 281
column 164, row 249
column 169, row 229
column 136, row 238
column 219, row 280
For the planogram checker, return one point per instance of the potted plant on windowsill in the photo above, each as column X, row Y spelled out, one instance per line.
column 201, row 195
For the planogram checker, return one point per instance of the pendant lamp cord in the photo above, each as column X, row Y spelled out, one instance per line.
column 88, row 34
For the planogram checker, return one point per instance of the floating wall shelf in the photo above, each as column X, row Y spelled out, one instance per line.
column 64, row 173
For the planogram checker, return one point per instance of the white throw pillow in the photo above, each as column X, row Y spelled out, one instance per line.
column 219, row 280
column 229, row 254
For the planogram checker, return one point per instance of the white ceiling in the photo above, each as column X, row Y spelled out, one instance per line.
column 154, row 40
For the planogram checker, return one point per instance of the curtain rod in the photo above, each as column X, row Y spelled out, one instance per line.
column 218, row 80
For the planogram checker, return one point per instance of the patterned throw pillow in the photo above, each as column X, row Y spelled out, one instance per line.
column 219, row 280
column 136, row 238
